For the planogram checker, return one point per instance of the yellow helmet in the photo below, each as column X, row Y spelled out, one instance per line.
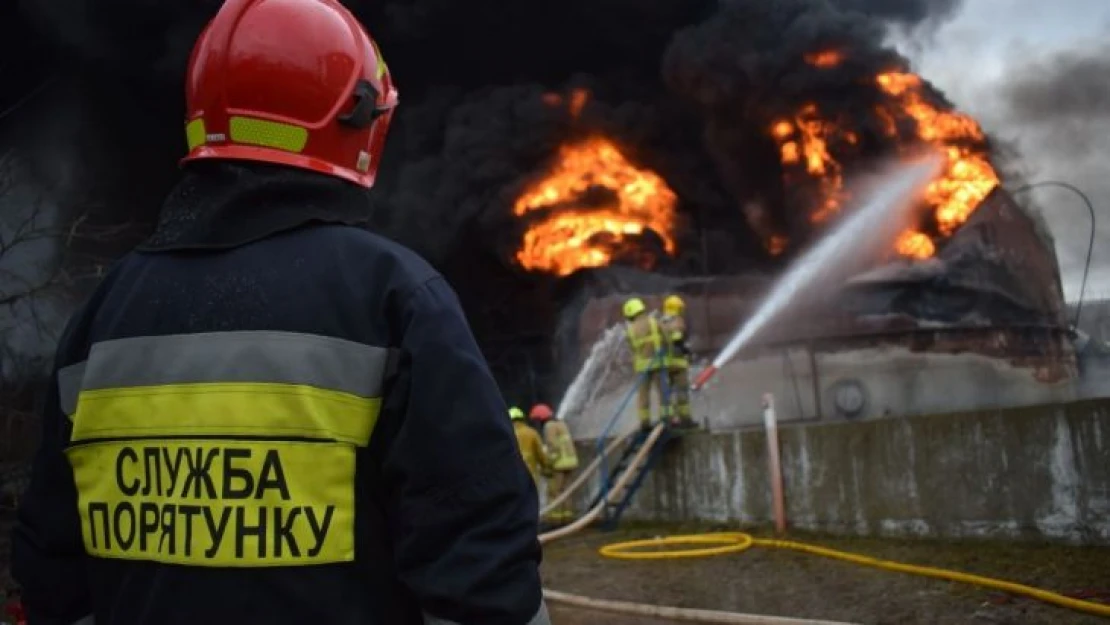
column 673, row 305
column 633, row 307
column 516, row 414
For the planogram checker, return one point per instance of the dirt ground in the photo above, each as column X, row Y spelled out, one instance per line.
column 783, row 583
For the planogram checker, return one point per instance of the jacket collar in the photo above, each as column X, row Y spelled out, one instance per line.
column 226, row 204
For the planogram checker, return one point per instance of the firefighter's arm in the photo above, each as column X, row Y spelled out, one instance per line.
column 677, row 336
column 546, row 456
column 461, row 506
column 678, row 339
column 48, row 555
column 541, row 451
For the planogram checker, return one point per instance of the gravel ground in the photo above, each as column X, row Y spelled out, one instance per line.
column 783, row 583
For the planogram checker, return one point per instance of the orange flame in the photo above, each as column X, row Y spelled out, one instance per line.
column 578, row 99
column 808, row 144
column 573, row 231
column 775, row 244
column 806, row 138
column 825, row 58
column 914, row 244
column 968, row 175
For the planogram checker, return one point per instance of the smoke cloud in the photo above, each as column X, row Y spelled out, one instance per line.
column 1061, row 104
column 1064, row 95
column 685, row 88
column 905, row 12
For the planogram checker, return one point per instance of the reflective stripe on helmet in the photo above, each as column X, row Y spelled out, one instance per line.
column 268, row 134
column 195, row 135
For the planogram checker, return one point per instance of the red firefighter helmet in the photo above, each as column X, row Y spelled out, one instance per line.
column 292, row 82
column 541, row 413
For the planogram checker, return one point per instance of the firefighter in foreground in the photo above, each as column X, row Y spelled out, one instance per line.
column 263, row 414
column 532, row 450
column 645, row 339
column 564, row 459
column 677, row 360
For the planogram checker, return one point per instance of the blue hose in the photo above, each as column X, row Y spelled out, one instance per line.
column 640, row 379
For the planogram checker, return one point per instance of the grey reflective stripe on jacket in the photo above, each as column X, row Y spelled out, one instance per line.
column 541, row 618
column 244, row 356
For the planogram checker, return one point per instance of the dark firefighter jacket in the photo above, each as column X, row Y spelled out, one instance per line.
column 263, row 415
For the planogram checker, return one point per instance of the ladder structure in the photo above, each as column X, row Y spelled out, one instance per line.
column 616, row 506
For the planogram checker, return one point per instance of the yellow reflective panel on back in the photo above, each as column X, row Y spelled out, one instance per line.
column 223, row 449
column 225, row 409
column 217, row 502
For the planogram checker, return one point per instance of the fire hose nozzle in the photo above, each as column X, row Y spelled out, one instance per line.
column 704, row 377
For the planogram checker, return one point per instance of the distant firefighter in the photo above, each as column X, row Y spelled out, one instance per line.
column 564, row 459
column 677, row 359
column 646, row 342
column 531, row 445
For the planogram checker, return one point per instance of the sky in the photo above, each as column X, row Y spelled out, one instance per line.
column 1037, row 74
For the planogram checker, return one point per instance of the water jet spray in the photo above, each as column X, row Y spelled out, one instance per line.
column 885, row 204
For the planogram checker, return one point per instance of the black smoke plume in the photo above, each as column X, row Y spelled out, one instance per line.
column 909, row 13
column 687, row 88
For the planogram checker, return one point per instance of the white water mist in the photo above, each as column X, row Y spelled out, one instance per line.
column 591, row 377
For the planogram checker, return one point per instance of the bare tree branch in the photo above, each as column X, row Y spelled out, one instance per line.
column 44, row 259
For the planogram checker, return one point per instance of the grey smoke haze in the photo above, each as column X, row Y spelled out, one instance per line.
column 1037, row 75
column 1066, row 96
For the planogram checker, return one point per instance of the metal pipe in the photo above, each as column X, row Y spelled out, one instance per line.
column 1090, row 243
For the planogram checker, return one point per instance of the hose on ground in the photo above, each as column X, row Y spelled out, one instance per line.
column 734, row 542
column 641, row 609
column 677, row 614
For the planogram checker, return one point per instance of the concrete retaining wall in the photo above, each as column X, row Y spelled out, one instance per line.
column 1037, row 472
column 856, row 384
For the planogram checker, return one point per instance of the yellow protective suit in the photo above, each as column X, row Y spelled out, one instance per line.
column 673, row 328
column 532, row 450
column 646, row 342
column 564, row 460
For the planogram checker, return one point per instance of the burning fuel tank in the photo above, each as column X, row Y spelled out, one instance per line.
column 981, row 324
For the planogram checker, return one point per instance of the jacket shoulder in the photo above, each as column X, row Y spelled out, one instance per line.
column 376, row 254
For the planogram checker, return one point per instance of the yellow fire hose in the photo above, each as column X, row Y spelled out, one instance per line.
column 641, row 609
column 719, row 543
